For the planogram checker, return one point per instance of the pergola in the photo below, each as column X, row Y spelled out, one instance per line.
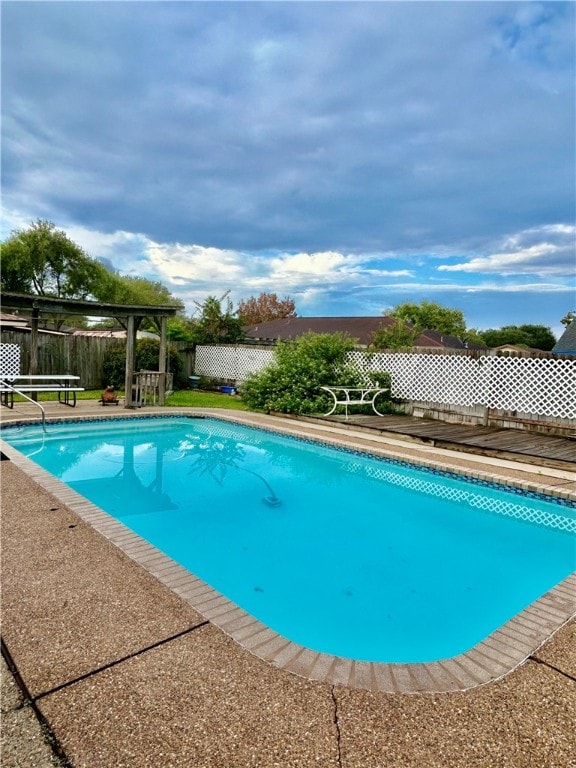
column 130, row 315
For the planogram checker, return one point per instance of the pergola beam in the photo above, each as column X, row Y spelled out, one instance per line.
column 57, row 306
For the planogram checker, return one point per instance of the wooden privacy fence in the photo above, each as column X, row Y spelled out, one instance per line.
column 81, row 355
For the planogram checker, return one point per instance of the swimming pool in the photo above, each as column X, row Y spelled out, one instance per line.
column 340, row 552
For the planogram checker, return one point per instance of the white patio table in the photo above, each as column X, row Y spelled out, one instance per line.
column 347, row 396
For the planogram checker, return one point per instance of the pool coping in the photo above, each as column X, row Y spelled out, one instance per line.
column 491, row 659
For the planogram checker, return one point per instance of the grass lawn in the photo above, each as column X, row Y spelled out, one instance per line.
column 199, row 399
column 184, row 398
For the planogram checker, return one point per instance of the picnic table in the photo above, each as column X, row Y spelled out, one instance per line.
column 347, row 396
column 26, row 384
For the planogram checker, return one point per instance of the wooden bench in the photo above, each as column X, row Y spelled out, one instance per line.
column 29, row 384
column 347, row 396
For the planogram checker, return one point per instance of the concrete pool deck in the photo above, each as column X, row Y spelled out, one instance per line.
column 126, row 673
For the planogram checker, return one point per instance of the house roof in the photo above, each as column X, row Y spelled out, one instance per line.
column 12, row 321
column 515, row 348
column 359, row 328
column 442, row 340
column 110, row 333
column 566, row 344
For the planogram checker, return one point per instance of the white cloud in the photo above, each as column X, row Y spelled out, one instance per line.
column 13, row 220
column 525, row 288
column 181, row 264
column 419, row 289
column 520, row 262
column 311, row 265
column 543, row 251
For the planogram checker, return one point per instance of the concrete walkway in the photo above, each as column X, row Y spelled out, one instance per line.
column 126, row 673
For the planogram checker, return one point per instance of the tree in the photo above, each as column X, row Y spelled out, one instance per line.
column 215, row 325
column 181, row 328
column 43, row 260
column 267, row 306
column 473, row 336
column 400, row 335
column 539, row 336
column 123, row 289
column 568, row 317
column 430, row 316
column 533, row 336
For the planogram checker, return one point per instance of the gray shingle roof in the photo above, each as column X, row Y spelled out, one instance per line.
column 359, row 328
column 566, row 344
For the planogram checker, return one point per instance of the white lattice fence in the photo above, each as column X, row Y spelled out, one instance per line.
column 253, row 359
column 543, row 386
column 532, row 385
column 9, row 359
column 229, row 362
column 445, row 379
column 540, row 386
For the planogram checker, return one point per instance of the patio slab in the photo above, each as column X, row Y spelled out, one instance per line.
column 22, row 742
column 560, row 650
column 200, row 701
column 66, row 604
column 524, row 720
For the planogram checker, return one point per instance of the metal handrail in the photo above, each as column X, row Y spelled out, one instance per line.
column 35, row 402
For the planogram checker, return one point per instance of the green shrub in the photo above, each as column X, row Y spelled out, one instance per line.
column 291, row 384
column 147, row 355
column 114, row 366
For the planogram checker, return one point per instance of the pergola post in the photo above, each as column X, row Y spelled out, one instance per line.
column 33, row 367
column 34, row 341
column 162, row 357
column 130, row 357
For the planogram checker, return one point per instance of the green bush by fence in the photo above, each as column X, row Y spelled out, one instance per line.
column 147, row 355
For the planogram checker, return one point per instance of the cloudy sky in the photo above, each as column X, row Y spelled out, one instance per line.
column 350, row 155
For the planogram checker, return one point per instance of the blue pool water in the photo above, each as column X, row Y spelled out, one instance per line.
column 340, row 552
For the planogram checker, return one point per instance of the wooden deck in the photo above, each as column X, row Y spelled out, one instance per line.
column 513, row 444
